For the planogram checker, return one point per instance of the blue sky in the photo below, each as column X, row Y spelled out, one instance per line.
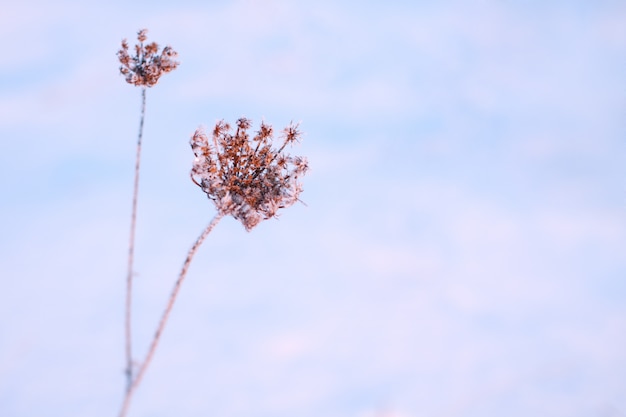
column 462, row 248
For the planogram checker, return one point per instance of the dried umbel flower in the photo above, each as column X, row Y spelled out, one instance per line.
column 147, row 65
column 244, row 176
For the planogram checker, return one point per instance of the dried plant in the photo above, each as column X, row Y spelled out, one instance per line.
column 143, row 70
column 147, row 65
column 246, row 178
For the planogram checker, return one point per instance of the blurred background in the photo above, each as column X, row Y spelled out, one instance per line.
column 462, row 247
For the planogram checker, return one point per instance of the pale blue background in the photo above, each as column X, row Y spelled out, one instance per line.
column 463, row 248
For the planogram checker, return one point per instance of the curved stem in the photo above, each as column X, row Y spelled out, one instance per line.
column 157, row 335
column 131, row 248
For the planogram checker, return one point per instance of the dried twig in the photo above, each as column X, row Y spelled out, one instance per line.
column 245, row 178
column 157, row 335
column 144, row 70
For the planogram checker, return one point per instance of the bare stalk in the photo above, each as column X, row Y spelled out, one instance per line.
column 157, row 335
column 131, row 248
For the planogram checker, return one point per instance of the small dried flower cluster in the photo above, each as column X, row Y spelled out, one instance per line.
column 147, row 65
column 244, row 176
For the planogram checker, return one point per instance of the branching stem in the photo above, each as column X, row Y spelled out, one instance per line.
column 157, row 335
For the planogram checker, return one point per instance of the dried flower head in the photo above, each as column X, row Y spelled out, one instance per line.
column 244, row 176
column 147, row 65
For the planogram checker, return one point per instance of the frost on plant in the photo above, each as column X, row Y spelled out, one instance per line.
column 147, row 65
column 243, row 175
column 143, row 69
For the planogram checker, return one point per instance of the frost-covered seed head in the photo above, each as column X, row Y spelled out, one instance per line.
column 147, row 65
column 244, row 176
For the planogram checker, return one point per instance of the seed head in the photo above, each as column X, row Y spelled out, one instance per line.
column 244, row 176
column 147, row 65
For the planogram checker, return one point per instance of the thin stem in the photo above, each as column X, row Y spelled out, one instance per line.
column 157, row 335
column 131, row 248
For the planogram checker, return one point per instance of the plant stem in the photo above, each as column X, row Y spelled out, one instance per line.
column 157, row 335
column 131, row 248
